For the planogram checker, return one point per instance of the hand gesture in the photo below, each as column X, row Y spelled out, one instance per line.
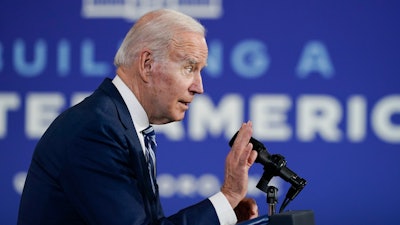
column 237, row 165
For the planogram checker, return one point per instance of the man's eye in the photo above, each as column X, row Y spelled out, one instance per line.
column 189, row 69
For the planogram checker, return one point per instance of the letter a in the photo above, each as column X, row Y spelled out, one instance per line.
column 315, row 58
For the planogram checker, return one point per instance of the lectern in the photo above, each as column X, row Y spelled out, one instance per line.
column 298, row 217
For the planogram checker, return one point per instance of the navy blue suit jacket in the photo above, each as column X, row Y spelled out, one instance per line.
column 89, row 168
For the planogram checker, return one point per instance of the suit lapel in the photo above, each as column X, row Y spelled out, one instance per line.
column 138, row 161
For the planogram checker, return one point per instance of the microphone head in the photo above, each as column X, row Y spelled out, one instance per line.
column 233, row 139
column 263, row 154
column 257, row 145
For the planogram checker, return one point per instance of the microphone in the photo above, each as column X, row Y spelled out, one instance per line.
column 274, row 165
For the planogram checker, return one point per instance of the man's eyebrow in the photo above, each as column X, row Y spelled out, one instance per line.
column 192, row 61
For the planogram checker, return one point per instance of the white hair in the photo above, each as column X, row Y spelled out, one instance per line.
column 155, row 31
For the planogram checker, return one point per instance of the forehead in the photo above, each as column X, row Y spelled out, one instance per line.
column 190, row 47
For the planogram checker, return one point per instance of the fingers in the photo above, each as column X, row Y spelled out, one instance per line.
column 246, row 209
column 253, row 209
column 237, row 165
column 252, row 158
column 242, row 147
column 243, row 137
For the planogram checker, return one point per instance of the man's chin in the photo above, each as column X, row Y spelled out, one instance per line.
column 175, row 118
column 180, row 117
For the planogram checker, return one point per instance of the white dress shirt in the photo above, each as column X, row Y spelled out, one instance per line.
column 224, row 211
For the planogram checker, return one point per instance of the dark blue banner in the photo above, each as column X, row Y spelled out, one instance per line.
column 319, row 79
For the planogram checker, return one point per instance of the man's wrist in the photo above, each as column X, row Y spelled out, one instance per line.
column 223, row 208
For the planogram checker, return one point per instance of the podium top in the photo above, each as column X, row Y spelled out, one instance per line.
column 261, row 220
column 297, row 217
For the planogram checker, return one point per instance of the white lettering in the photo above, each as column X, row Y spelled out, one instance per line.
column 249, row 59
column 184, row 185
column 188, row 185
column 37, row 65
column 89, row 66
column 41, row 110
column 356, row 118
column 318, row 114
column 381, row 118
column 215, row 59
column 78, row 97
column 204, row 117
column 208, row 185
column 64, row 57
column 315, row 116
column 19, row 181
column 269, row 115
column 166, row 185
column 315, row 58
column 8, row 101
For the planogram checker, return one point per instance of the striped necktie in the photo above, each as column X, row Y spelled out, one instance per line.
column 150, row 144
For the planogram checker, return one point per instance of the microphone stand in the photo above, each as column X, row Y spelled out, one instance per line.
column 297, row 217
column 272, row 199
column 275, row 165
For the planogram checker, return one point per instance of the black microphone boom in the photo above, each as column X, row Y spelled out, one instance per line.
column 274, row 165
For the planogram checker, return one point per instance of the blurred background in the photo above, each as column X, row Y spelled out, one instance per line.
column 319, row 79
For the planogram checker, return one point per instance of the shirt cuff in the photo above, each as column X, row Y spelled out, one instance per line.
column 224, row 210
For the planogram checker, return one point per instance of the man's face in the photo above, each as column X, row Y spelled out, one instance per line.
column 177, row 79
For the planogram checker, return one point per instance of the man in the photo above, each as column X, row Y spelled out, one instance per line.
column 92, row 164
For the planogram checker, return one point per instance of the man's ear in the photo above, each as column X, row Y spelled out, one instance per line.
column 146, row 63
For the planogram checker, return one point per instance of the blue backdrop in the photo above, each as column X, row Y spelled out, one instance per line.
column 319, row 79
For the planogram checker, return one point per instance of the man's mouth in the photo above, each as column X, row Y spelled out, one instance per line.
column 185, row 103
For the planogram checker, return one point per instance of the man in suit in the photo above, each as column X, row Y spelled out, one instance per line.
column 91, row 166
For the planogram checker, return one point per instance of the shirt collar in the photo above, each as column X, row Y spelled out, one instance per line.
column 136, row 110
